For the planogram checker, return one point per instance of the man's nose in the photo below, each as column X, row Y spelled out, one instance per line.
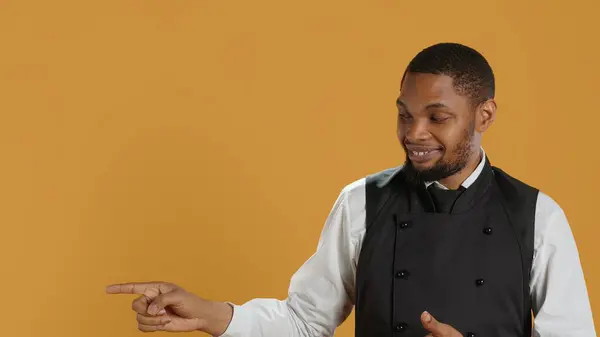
column 417, row 131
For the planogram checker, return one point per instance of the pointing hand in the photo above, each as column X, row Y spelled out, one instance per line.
column 164, row 306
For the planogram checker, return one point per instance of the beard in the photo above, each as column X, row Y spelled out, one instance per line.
column 443, row 168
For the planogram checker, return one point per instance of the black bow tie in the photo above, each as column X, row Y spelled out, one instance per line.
column 444, row 199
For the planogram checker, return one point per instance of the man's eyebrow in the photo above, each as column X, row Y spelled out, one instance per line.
column 436, row 105
column 401, row 104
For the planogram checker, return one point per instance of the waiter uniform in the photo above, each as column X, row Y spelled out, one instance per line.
column 479, row 258
column 463, row 255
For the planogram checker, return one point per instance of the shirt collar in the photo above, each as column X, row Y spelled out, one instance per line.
column 470, row 180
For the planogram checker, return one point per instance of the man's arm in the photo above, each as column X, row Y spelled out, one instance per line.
column 320, row 292
column 559, row 295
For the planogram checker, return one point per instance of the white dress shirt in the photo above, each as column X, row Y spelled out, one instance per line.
column 321, row 292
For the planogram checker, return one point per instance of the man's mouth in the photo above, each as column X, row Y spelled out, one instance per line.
column 422, row 154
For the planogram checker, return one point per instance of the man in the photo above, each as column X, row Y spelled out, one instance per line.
column 445, row 245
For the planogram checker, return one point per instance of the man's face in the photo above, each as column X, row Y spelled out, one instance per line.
column 436, row 127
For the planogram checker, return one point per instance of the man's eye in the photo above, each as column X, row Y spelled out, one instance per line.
column 439, row 119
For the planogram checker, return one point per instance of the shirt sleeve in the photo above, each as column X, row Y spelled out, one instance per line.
column 320, row 294
column 561, row 306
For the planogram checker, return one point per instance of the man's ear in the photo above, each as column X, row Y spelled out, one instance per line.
column 485, row 115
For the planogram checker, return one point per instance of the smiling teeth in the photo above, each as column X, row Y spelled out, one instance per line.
column 416, row 153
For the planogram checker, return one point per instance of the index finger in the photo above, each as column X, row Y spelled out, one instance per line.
column 139, row 288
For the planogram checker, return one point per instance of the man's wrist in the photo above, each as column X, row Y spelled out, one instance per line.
column 221, row 314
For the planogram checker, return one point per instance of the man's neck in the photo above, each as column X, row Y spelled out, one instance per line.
column 454, row 181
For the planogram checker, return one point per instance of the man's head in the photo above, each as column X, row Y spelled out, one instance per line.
column 446, row 102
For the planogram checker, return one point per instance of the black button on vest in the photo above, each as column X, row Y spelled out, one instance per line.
column 404, row 225
column 401, row 327
column 404, row 274
column 444, row 199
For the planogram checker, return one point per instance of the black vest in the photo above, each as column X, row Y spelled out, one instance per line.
column 470, row 268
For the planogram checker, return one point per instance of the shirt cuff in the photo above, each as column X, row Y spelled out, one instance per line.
column 237, row 324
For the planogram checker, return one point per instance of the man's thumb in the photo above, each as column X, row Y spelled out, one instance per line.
column 431, row 324
column 162, row 301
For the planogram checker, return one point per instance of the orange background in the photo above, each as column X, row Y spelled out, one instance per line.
column 204, row 142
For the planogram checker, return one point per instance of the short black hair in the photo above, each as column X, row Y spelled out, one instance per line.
column 472, row 75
